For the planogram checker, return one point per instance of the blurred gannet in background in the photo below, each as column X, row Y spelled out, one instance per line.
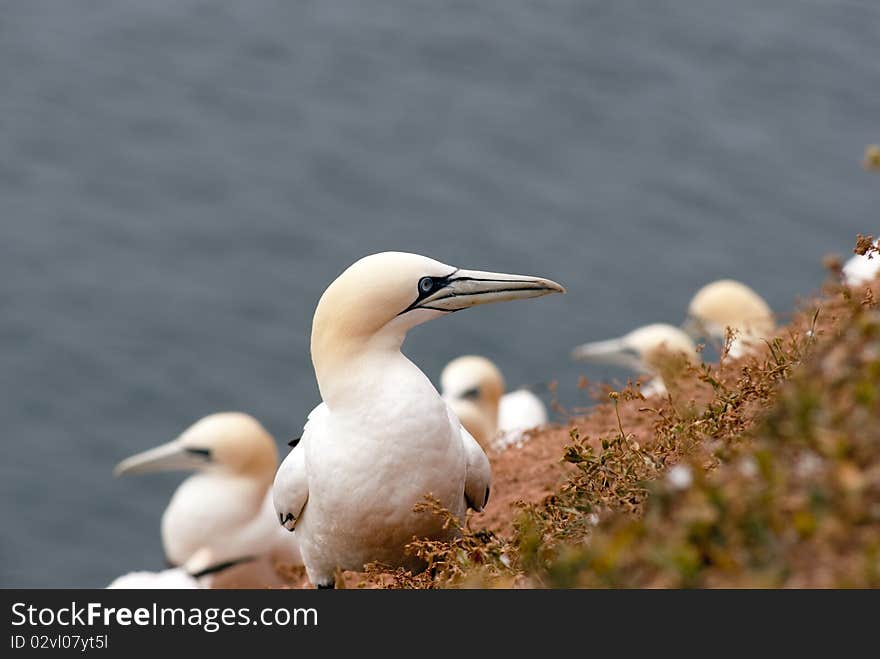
column 474, row 389
column 728, row 303
column 518, row 412
column 223, row 515
column 872, row 157
column 862, row 268
column 645, row 350
column 383, row 438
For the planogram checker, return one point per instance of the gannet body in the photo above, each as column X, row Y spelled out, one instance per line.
column 647, row 350
column 383, row 438
column 862, row 268
column 475, row 390
column 728, row 303
column 224, row 512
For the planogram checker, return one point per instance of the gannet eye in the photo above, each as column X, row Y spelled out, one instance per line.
column 471, row 394
column 201, row 452
column 426, row 285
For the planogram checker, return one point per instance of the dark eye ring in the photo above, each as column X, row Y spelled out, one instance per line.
column 426, row 285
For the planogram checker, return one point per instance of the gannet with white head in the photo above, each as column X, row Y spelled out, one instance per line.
column 223, row 515
column 729, row 303
column 650, row 349
column 383, row 438
column 474, row 388
column 861, row 268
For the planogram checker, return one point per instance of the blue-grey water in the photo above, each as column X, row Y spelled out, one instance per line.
column 179, row 181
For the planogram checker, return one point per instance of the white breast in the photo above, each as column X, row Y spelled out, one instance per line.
column 215, row 511
column 369, row 464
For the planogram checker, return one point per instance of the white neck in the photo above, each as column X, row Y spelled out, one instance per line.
column 354, row 369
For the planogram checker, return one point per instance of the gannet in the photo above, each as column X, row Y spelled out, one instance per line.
column 383, row 438
column 728, row 303
column 223, row 514
column 651, row 349
column 475, row 390
column 862, row 268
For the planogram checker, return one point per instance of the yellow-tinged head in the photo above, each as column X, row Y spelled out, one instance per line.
column 377, row 299
column 228, row 441
column 474, row 382
column 729, row 303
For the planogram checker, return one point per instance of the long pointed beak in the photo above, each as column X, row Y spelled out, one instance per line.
column 611, row 351
column 469, row 288
column 172, row 456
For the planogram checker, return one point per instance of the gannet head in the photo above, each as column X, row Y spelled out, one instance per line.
column 473, row 387
column 377, row 299
column 473, row 378
column 728, row 303
column 230, row 442
column 647, row 348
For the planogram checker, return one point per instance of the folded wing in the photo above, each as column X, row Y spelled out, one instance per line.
column 478, row 480
column 290, row 492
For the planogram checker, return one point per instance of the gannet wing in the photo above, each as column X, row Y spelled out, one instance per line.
column 284, row 546
column 478, row 479
column 290, row 491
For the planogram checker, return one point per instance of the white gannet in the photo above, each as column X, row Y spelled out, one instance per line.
column 861, row 268
column 475, row 390
column 648, row 349
column 383, row 438
column 223, row 515
column 729, row 303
